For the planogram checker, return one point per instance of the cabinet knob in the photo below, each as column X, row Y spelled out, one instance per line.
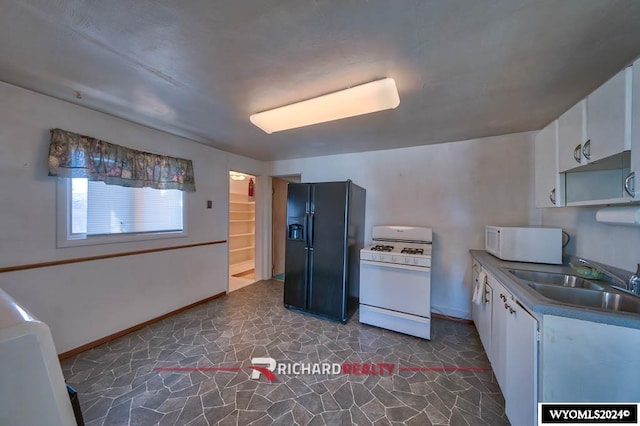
column 511, row 310
column 577, row 153
column 506, row 306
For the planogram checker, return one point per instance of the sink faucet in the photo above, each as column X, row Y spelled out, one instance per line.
column 631, row 284
column 634, row 282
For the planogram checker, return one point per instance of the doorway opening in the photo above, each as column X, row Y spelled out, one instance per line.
column 279, row 222
column 242, row 230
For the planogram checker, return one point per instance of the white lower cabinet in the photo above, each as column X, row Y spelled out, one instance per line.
column 522, row 366
column 510, row 338
column 586, row 361
column 559, row 359
column 499, row 333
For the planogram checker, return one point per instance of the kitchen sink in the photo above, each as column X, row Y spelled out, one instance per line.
column 589, row 298
column 555, row 279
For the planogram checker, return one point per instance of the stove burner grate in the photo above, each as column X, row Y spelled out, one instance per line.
column 408, row 250
column 381, row 247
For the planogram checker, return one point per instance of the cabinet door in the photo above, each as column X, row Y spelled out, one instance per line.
column 609, row 118
column 549, row 184
column 587, row 361
column 521, row 394
column 499, row 331
column 633, row 177
column 572, row 133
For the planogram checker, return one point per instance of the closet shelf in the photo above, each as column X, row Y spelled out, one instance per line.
column 241, row 227
column 239, row 267
column 242, row 235
column 242, row 249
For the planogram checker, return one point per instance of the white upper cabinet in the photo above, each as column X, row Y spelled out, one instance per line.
column 591, row 154
column 572, row 134
column 549, row 183
column 609, row 118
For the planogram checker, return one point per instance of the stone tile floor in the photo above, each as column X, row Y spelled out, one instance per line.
column 118, row 383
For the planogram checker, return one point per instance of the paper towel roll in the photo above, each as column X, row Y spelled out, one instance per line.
column 629, row 216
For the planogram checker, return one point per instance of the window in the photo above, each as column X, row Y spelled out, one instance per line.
column 96, row 213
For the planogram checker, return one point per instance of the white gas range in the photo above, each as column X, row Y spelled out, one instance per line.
column 395, row 280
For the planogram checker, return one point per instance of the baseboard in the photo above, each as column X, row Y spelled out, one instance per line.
column 91, row 345
column 447, row 317
column 440, row 312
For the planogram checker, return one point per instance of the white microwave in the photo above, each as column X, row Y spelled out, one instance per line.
column 524, row 244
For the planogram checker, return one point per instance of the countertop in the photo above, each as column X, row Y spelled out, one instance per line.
column 538, row 305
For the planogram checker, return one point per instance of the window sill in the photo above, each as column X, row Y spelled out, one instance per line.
column 119, row 238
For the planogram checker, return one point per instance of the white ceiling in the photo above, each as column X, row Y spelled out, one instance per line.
column 464, row 68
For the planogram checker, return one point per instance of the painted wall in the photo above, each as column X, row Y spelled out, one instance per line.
column 614, row 245
column 86, row 301
column 455, row 188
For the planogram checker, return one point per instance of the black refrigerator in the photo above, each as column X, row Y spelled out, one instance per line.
column 325, row 232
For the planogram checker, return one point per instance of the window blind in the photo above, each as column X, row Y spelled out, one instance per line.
column 101, row 209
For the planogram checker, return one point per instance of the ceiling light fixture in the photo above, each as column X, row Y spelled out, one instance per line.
column 236, row 176
column 363, row 99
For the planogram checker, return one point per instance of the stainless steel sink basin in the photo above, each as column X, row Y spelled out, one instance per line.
column 555, row 279
column 589, row 298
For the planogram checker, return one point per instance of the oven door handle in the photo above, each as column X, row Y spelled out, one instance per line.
column 395, row 265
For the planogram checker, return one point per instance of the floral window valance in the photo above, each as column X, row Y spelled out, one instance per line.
column 73, row 155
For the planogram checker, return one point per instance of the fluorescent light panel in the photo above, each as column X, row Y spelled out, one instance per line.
column 363, row 99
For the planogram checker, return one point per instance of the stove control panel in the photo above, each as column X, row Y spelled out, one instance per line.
column 424, row 261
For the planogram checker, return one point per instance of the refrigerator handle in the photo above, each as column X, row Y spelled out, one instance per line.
column 310, row 230
column 306, row 276
column 311, row 213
